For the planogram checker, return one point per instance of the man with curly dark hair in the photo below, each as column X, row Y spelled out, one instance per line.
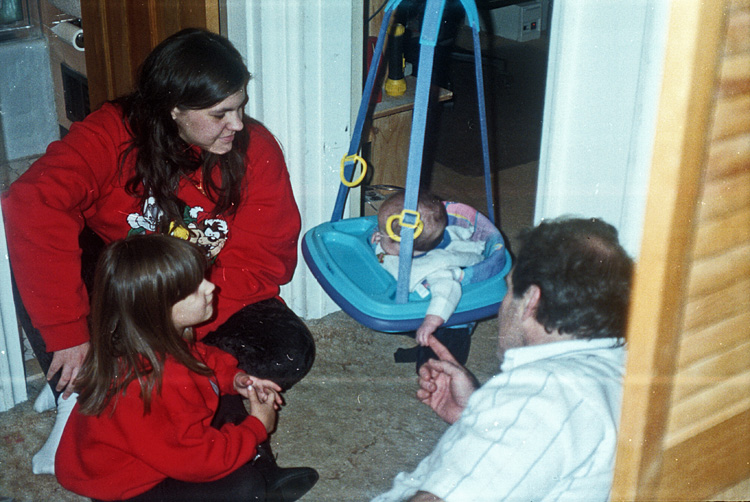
column 545, row 427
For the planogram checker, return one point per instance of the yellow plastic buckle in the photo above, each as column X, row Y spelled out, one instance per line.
column 418, row 225
column 353, row 158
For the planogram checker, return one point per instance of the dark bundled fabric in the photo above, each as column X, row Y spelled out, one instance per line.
column 457, row 339
column 269, row 341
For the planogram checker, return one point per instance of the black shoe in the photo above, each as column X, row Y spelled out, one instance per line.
column 406, row 355
column 286, row 485
column 283, row 484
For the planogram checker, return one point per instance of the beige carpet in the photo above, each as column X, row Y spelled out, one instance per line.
column 354, row 418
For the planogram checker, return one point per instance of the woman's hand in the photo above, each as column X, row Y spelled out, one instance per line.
column 68, row 362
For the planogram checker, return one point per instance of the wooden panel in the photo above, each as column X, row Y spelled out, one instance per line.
column 715, row 307
column 390, row 133
column 733, row 113
column 707, row 341
column 723, row 233
column 698, row 470
column 390, row 149
column 725, row 195
column 375, row 15
column 719, row 271
column 712, row 371
column 97, row 50
column 737, row 29
column 739, row 491
column 735, row 71
column 708, row 431
column 119, row 35
column 703, row 410
column 730, row 156
column 140, row 33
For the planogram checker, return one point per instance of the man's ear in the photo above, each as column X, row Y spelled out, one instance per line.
column 531, row 302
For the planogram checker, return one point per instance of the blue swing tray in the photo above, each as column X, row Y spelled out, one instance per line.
column 342, row 260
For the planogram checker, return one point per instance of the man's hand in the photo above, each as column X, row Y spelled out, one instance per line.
column 445, row 385
column 69, row 361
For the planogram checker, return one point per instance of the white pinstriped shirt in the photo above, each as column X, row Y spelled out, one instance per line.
column 544, row 429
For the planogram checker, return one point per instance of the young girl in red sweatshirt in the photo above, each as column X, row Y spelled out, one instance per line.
column 144, row 426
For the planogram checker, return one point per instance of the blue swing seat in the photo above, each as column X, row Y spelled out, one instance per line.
column 340, row 256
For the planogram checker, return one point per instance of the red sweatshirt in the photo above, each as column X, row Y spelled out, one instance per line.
column 122, row 453
column 78, row 182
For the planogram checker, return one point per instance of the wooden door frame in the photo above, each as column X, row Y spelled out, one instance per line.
column 680, row 150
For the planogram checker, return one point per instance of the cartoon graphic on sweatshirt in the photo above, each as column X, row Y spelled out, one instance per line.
column 209, row 233
column 146, row 222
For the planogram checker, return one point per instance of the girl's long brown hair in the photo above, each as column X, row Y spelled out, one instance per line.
column 138, row 280
column 192, row 69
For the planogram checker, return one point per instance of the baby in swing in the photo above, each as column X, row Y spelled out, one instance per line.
column 441, row 251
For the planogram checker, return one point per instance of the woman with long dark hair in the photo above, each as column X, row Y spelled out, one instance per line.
column 177, row 156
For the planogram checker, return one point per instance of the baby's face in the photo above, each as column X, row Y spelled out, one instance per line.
column 389, row 245
column 392, row 247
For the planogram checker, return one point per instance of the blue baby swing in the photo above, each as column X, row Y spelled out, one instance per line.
column 339, row 253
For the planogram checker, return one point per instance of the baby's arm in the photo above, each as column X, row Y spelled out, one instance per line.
column 445, row 292
column 429, row 325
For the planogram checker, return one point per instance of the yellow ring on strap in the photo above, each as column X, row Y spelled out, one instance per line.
column 354, row 158
column 418, row 225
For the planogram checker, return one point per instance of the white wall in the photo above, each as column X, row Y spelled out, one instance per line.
column 12, row 376
column 603, row 83
column 306, row 66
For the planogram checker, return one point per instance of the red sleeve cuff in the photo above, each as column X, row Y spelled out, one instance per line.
column 64, row 336
column 257, row 427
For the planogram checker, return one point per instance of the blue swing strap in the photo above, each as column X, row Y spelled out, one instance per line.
column 433, row 15
column 364, row 105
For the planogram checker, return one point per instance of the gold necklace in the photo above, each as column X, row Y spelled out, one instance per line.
column 199, row 183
